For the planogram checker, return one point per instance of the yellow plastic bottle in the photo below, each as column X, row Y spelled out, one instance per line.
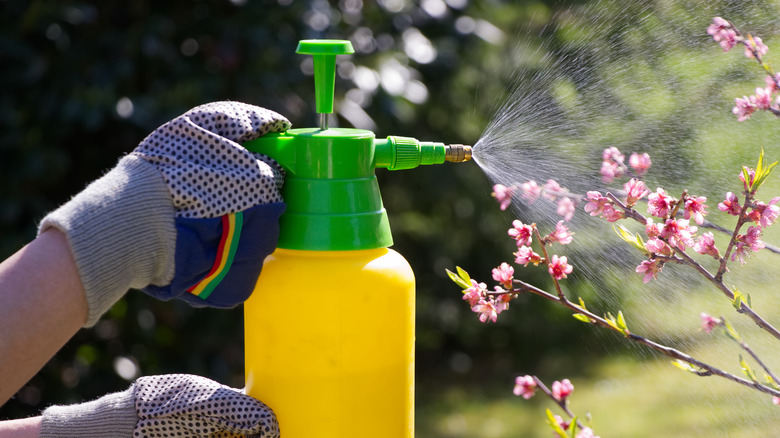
column 330, row 343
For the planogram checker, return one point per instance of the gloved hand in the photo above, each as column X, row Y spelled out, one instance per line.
column 189, row 214
column 175, row 405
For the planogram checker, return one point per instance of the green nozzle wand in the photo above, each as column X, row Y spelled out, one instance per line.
column 396, row 153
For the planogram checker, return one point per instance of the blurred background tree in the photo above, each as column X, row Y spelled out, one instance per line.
column 84, row 82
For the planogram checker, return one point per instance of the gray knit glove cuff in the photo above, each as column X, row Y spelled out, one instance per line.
column 121, row 233
column 112, row 415
column 175, row 405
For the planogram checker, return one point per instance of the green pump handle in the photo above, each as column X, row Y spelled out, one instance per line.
column 331, row 191
column 324, row 53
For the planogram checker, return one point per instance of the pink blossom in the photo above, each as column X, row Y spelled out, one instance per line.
column 767, row 214
column 754, row 44
column 561, row 234
column 525, row 386
column 552, row 190
column 612, row 164
column 531, row 190
column 596, row 203
column 705, row 244
column 566, row 208
column 775, row 400
column 486, row 309
column 754, row 215
column 729, row 40
column 586, row 432
column 502, row 301
column 640, row 163
column 695, row 207
column 744, row 107
column 522, row 233
column 651, row 228
column 659, row 204
column 613, row 154
column 562, row 390
column 611, row 214
column 650, row 268
column 678, row 233
column 503, row 195
column 730, row 205
column 709, row 322
column 476, row 292
column 565, row 424
column 525, row 255
column 658, row 246
column 601, row 205
column 558, row 267
column 771, row 82
column 504, row 274
column 635, row 190
column 740, row 252
column 609, row 171
column 718, row 25
column 762, row 98
column 753, row 239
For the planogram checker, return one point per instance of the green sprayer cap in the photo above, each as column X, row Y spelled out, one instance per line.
column 331, row 190
column 324, row 53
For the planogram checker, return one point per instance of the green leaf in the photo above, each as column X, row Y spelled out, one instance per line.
column 463, row 274
column 459, row 281
column 747, row 370
column 573, row 427
column 611, row 320
column 770, row 381
column 582, row 317
column 582, row 304
column 746, row 177
column 685, row 366
column 762, row 171
column 554, row 424
column 621, row 322
column 737, row 300
column 740, row 299
column 635, row 240
column 733, row 334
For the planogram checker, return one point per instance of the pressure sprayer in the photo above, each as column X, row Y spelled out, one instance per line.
column 330, row 326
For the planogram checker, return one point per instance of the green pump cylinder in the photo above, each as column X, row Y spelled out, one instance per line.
column 329, row 329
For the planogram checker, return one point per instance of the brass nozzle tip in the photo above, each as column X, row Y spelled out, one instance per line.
column 457, row 153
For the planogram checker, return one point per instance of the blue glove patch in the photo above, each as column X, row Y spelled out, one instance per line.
column 219, row 259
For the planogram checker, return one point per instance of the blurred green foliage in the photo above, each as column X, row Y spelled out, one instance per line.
column 85, row 82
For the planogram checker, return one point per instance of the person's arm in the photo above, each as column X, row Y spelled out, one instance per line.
column 24, row 428
column 42, row 305
column 188, row 199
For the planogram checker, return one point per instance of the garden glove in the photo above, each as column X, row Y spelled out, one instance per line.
column 189, row 214
column 175, row 405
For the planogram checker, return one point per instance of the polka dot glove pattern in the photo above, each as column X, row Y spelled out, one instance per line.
column 189, row 214
column 181, row 405
column 226, row 198
column 207, row 171
column 174, row 405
